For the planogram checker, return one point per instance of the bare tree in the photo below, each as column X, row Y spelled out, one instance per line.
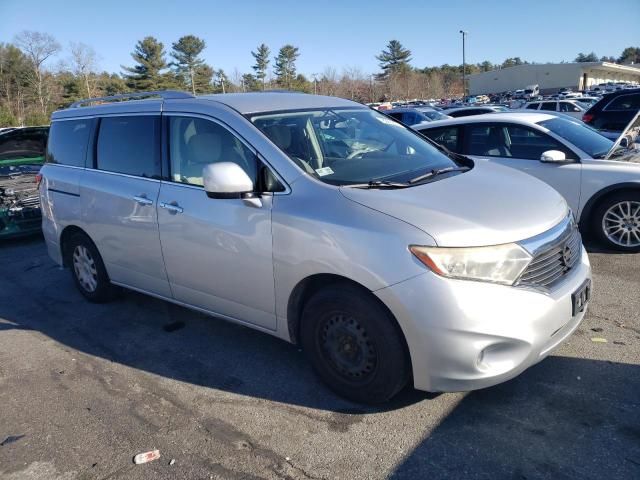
column 84, row 64
column 38, row 47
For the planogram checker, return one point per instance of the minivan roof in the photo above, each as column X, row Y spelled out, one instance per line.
column 255, row 102
column 244, row 103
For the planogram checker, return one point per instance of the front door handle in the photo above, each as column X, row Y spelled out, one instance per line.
column 173, row 207
column 143, row 200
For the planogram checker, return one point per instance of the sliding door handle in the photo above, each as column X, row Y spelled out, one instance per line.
column 173, row 207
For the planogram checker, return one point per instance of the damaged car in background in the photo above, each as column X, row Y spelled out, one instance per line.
column 21, row 156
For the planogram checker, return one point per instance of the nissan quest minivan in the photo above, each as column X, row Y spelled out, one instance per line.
column 387, row 258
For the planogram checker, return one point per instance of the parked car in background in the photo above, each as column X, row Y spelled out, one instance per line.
column 568, row 107
column 21, row 156
column 531, row 92
column 587, row 101
column 433, row 113
column 468, row 111
column 324, row 223
column 409, row 115
column 599, row 180
column 613, row 112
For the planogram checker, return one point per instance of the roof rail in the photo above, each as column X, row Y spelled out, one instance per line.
column 164, row 94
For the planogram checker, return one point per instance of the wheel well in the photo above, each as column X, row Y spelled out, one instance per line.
column 596, row 200
column 306, row 288
column 66, row 234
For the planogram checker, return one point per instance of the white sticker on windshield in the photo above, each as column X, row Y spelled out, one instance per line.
column 324, row 171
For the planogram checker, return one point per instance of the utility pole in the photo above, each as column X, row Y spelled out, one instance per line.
column 464, row 65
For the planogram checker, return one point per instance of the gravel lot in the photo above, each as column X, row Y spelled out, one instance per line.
column 84, row 387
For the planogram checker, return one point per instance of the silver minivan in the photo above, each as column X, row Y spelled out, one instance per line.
column 387, row 258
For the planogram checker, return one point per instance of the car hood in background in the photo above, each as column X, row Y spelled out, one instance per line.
column 487, row 205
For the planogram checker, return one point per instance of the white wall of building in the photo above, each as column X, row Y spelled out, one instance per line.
column 550, row 77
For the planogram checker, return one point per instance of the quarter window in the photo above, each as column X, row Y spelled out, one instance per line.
column 129, row 145
column 195, row 143
column 67, row 143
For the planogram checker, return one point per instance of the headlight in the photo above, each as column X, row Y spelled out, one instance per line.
column 497, row 264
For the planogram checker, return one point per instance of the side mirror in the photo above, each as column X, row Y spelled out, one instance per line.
column 225, row 180
column 624, row 142
column 553, row 156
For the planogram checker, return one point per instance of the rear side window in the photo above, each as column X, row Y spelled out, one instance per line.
column 68, row 142
column 533, row 106
column 625, row 102
column 129, row 145
column 550, row 106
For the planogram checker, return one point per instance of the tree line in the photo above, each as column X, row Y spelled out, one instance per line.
column 32, row 85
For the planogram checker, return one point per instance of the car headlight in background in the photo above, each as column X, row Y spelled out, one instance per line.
column 497, row 264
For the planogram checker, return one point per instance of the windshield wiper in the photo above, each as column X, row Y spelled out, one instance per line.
column 436, row 172
column 378, row 184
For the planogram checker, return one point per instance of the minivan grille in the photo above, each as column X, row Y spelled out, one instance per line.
column 552, row 264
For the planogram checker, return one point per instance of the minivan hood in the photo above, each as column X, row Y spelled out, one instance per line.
column 487, row 205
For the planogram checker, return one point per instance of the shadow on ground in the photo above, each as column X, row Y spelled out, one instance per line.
column 161, row 338
column 563, row 418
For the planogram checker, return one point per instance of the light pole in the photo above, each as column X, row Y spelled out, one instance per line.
column 464, row 66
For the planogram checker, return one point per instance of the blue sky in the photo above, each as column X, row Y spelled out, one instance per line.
column 333, row 32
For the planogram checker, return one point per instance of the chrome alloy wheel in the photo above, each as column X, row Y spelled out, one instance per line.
column 621, row 223
column 85, row 268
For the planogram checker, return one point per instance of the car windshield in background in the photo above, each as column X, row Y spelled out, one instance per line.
column 434, row 115
column 583, row 137
column 351, row 146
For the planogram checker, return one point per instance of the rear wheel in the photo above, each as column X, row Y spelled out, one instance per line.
column 87, row 269
column 354, row 344
column 616, row 221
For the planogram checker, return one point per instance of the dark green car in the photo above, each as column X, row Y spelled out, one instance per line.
column 21, row 156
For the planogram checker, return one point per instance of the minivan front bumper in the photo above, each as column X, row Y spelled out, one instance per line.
column 465, row 335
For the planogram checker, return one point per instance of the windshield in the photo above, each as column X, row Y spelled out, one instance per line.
column 582, row 136
column 351, row 146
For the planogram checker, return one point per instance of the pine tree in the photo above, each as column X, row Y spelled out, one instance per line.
column 203, row 79
column 147, row 74
column 630, row 55
column 262, row 63
column 589, row 57
column 395, row 59
column 186, row 53
column 286, row 65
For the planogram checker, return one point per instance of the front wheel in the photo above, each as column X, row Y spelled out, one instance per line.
column 354, row 344
column 616, row 222
column 87, row 269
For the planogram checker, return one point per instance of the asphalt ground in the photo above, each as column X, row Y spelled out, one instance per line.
column 83, row 388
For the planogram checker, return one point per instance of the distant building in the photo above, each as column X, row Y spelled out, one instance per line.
column 551, row 77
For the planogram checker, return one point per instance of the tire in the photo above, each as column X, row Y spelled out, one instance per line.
column 616, row 222
column 87, row 269
column 354, row 344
